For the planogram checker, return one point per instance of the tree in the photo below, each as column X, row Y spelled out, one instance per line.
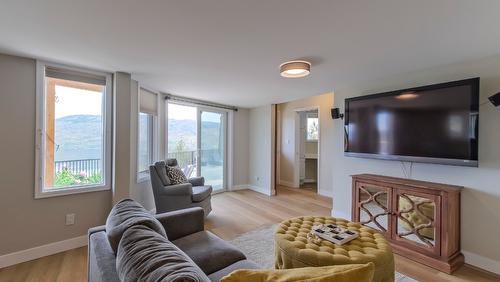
column 180, row 146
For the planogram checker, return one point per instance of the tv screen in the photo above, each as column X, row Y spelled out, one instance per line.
column 436, row 124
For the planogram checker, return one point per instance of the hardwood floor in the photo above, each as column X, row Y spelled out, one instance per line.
column 234, row 213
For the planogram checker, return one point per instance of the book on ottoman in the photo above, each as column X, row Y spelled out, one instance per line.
column 334, row 233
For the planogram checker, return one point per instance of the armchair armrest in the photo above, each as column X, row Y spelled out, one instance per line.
column 181, row 223
column 184, row 189
column 197, row 181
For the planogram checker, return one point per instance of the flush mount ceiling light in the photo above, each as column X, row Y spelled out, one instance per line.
column 294, row 69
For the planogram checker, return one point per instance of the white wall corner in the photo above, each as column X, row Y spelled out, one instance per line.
column 42, row 251
column 262, row 190
column 341, row 214
column 482, row 262
column 287, row 183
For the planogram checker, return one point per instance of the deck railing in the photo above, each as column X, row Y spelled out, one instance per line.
column 184, row 158
column 208, row 157
column 89, row 166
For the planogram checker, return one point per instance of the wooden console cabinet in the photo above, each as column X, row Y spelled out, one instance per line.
column 420, row 219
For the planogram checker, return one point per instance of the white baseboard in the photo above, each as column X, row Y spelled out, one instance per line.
column 262, row 190
column 286, row 183
column 322, row 193
column 482, row 262
column 239, row 187
column 341, row 214
column 42, row 251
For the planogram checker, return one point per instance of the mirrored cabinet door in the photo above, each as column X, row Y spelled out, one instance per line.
column 416, row 218
column 374, row 206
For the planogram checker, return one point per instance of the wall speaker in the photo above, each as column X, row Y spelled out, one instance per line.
column 336, row 114
column 495, row 99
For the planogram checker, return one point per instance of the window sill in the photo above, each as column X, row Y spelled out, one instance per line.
column 69, row 191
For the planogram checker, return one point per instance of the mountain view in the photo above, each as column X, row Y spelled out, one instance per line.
column 79, row 136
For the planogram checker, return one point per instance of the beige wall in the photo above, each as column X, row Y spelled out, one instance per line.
column 480, row 222
column 240, row 147
column 26, row 222
column 260, row 149
column 287, row 139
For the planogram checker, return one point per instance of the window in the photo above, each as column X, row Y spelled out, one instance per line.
column 145, row 148
column 147, row 133
column 73, row 141
column 312, row 127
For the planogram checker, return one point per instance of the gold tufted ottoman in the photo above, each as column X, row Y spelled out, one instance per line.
column 293, row 250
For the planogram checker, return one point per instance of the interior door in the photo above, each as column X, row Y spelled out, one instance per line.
column 212, row 148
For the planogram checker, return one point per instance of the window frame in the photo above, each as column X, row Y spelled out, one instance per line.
column 40, row 191
column 308, row 116
column 143, row 176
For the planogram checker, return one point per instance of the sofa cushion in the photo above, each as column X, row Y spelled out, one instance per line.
column 161, row 170
column 200, row 193
column 208, row 251
column 337, row 273
column 145, row 255
column 242, row 264
column 172, row 162
column 125, row 214
column 176, row 175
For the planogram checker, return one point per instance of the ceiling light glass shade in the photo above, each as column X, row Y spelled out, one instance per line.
column 295, row 69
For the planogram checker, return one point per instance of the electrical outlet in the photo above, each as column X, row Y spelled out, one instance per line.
column 70, row 219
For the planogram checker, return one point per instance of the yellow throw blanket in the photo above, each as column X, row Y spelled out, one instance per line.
column 335, row 273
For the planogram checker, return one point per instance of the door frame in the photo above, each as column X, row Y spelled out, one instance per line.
column 227, row 139
column 296, row 173
column 225, row 115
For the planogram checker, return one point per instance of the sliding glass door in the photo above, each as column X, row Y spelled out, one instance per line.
column 212, row 148
column 197, row 139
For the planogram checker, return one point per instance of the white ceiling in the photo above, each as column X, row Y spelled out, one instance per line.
column 229, row 51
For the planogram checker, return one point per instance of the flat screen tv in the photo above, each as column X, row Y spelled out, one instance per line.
column 434, row 124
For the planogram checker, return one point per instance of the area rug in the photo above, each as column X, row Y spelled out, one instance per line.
column 258, row 246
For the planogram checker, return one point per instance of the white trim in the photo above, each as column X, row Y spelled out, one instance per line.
column 262, row 190
column 39, row 134
column 42, row 251
column 287, row 183
column 482, row 262
column 240, row 187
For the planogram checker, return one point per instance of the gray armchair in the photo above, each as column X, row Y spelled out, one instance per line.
column 170, row 197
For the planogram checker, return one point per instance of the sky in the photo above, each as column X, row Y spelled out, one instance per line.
column 181, row 112
column 72, row 101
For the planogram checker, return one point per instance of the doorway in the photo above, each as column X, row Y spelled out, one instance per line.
column 196, row 137
column 307, row 148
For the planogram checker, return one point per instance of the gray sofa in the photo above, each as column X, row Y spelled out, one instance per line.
column 211, row 257
column 175, row 197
